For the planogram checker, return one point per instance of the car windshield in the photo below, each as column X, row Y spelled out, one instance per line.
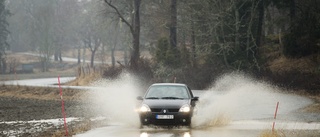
column 167, row 92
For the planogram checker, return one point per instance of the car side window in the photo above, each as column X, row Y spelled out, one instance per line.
column 190, row 91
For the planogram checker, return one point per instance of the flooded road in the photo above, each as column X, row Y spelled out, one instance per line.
column 235, row 106
column 118, row 131
column 235, row 129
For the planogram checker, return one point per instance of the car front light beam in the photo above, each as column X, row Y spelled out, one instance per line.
column 144, row 108
column 185, row 108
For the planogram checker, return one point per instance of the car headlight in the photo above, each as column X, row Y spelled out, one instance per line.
column 185, row 108
column 145, row 108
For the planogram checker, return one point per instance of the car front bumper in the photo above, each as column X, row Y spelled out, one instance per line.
column 176, row 118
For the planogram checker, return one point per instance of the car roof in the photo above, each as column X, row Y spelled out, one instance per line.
column 168, row 84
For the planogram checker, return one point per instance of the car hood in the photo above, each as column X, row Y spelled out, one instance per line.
column 165, row 103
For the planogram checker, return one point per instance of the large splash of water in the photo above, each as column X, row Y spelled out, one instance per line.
column 232, row 97
column 116, row 99
column 238, row 97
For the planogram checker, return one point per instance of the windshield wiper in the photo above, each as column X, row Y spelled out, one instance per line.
column 152, row 98
column 171, row 98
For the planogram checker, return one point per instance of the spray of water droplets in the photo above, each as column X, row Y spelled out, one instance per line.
column 232, row 97
column 238, row 97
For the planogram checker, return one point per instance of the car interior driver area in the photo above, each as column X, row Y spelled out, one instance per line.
column 172, row 92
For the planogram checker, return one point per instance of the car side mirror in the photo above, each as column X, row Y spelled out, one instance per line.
column 195, row 99
column 139, row 98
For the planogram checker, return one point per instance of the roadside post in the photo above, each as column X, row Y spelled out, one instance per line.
column 62, row 108
column 275, row 116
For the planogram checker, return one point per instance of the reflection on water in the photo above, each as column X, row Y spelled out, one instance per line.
column 186, row 134
column 144, row 134
column 171, row 134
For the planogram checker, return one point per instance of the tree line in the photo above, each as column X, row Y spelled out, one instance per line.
column 199, row 36
column 232, row 32
column 48, row 28
column 211, row 36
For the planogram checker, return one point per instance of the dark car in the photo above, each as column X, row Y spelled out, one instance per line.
column 167, row 104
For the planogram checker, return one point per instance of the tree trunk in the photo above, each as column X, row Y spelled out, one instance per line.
column 223, row 44
column 3, row 65
column 97, row 44
column 260, row 25
column 292, row 11
column 237, row 24
column 1, row 69
column 113, row 60
column 92, row 58
column 84, row 55
column 126, row 56
column 193, row 38
column 60, row 54
column 173, row 24
column 44, row 64
column 290, row 49
column 79, row 56
column 135, row 55
column 249, row 49
column 103, row 54
column 56, row 55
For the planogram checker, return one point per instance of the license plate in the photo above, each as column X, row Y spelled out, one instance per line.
column 164, row 117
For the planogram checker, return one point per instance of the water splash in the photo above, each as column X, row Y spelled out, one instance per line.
column 116, row 99
column 232, row 97
column 238, row 97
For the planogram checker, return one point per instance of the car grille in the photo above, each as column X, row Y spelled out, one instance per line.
column 156, row 109
column 160, row 110
column 173, row 110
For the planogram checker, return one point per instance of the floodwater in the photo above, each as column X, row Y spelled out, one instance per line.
column 235, row 105
column 234, row 129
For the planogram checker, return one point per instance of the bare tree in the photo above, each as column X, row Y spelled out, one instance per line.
column 134, row 29
column 90, row 29
column 92, row 41
column 43, row 32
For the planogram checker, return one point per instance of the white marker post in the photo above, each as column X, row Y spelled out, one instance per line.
column 62, row 108
column 275, row 116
